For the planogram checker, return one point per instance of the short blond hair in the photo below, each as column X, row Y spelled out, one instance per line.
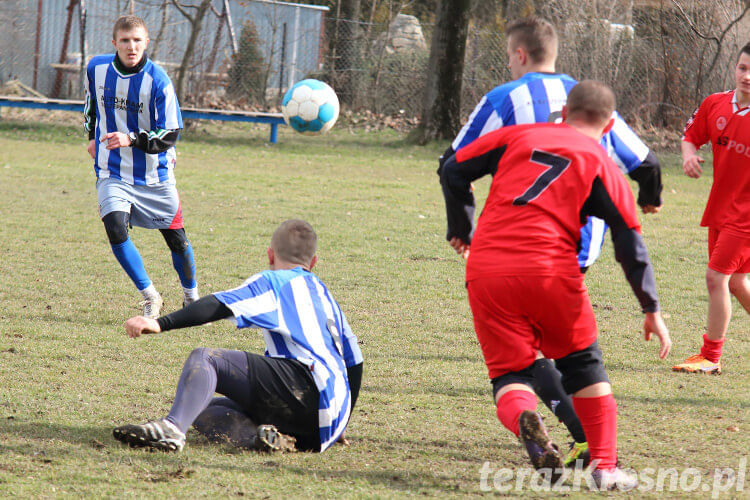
column 127, row 23
column 295, row 241
column 536, row 35
column 592, row 102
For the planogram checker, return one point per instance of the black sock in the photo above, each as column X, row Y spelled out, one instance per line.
column 548, row 386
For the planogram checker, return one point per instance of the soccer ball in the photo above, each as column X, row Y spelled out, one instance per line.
column 310, row 107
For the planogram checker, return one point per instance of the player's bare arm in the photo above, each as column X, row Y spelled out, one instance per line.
column 139, row 325
column 92, row 148
column 691, row 161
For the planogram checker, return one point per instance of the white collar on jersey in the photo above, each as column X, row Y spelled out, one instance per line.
column 736, row 107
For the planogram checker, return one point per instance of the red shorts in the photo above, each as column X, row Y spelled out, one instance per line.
column 728, row 253
column 516, row 316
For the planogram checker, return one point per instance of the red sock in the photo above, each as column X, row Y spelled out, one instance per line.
column 511, row 405
column 599, row 420
column 711, row 349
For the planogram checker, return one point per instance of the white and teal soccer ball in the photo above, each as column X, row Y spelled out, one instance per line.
column 310, row 107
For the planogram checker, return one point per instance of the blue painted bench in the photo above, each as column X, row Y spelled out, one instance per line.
column 273, row 119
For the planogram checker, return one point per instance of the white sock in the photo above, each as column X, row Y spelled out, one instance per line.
column 149, row 292
column 191, row 293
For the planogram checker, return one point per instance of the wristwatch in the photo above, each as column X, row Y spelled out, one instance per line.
column 132, row 136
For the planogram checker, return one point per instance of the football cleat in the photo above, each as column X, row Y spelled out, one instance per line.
column 698, row 364
column 577, row 451
column 614, row 479
column 152, row 306
column 158, row 434
column 542, row 452
column 269, row 439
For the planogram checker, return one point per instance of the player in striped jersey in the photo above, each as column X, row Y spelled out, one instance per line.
column 522, row 278
column 133, row 120
column 300, row 394
column 537, row 94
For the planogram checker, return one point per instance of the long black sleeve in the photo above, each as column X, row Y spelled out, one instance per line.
column 354, row 373
column 444, row 157
column 648, row 177
column 90, row 117
column 630, row 251
column 156, row 141
column 456, row 178
column 203, row 310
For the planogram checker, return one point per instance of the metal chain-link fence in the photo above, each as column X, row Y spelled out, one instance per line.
column 660, row 57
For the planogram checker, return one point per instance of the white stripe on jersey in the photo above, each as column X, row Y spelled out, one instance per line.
column 556, row 95
column 102, row 153
column 121, row 122
column 523, row 108
column 626, row 135
column 259, row 304
column 314, row 335
column 466, row 126
column 597, row 235
column 170, row 108
column 493, row 122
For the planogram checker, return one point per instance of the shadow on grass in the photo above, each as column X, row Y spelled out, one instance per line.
column 680, row 401
column 41, row 442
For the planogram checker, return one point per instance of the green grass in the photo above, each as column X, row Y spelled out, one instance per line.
column 424, row 424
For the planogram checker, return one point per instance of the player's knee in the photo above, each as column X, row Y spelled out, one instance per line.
column 738, row 284
column 717, row 282
column 525, row 377
column 176, row 239
column 116, row 225
column 582, row 368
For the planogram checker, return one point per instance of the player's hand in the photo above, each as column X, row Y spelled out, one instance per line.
column 650, row 209
column 460, row 247
column 116, row 140
column 654, row 324
column 92, row 148
column 692, row 166
column 141, row 325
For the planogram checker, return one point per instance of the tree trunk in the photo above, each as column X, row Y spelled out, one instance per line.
column 154, row 53
column 348, row 63
column 441, row 117
column 196, row 22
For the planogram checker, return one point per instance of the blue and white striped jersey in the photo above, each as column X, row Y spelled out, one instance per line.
column 142, row 101
column 537, row 98
column 301, row 320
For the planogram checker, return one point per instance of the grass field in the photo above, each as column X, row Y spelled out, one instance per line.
column 424, row 424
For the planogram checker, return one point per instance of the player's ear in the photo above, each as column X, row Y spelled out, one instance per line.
column 564, row 112
column 313, row 261
column 271, row 257
column 523, row 55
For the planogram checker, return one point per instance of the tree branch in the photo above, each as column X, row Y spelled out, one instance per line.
column 183, row 11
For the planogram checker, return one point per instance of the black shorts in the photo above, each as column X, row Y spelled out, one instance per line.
column 282, row 392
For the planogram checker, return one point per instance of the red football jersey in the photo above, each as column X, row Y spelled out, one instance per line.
column 720, row 121
column 531, row 221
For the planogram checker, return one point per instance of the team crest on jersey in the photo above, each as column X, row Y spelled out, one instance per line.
column 721, row 122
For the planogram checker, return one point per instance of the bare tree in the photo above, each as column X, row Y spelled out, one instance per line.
column 162, row 27
column 441, row 117
column 196, row 25
column 348, row 51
